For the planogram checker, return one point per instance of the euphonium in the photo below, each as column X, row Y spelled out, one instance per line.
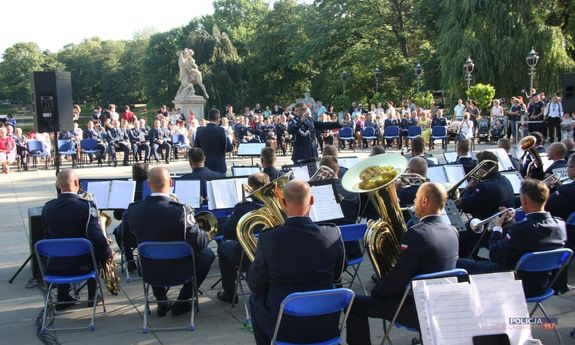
column 383, row 236
column 270, row 215
column 206, row 220
column 535, row 167
column 323, row 173
column 108, row 272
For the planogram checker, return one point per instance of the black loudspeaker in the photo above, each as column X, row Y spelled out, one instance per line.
column 36, row 234
column 52, row 101
column 568, row 98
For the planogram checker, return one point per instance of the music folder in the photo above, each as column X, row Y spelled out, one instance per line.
column 225, row 193
column 188, row 192
column 326, row 205
column 111, row 195
column 245, row 170
column 451, row 173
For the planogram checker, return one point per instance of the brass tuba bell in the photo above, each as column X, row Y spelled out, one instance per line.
column 383, row 236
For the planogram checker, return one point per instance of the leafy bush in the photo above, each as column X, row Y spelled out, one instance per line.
column 423, row 99
column 482, row 94
column 341, row 103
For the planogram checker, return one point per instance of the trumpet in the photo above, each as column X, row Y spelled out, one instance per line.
column 477, row 225
column 412, row 179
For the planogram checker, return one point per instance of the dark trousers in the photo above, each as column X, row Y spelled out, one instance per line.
column 365, row 307
column 137, row 149
column 553, row 127
column 64, row 290
column 166, row 146
column 23, row 154
column 126, row 241
column 161, row 293
column 229, row 254
column 468, row 240
column 121, row 147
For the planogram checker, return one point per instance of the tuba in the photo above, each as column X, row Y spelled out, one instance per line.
column 383, row 236
column 535, row 167
column 108, row 272
column 270, row 215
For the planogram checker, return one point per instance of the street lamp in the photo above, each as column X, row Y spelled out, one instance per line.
column 418, row 71
column 343, row 80
column 376, row 74
column 532, row 59
column 468, row 67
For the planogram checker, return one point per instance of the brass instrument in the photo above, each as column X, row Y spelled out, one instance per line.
column 481, row 170
column 412, row 179
column 477, row 225
column 383, row 236
column 108, row 272
column 270, row 215
column 206, row 220
column 535, row 167
column 323, row 173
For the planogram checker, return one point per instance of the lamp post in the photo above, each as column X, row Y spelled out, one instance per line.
column 418, row 71
column 468, row 67
column 343, row 80
column 532, row 59
column 376, row 74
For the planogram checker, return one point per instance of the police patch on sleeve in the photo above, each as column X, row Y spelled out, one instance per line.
column 93, row 211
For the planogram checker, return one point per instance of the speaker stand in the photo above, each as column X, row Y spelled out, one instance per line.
column 56, row 154
column 21, row 268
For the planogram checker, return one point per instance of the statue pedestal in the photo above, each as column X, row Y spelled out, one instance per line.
column 194, row 103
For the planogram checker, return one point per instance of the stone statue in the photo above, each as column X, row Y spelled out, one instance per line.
column 189, row 74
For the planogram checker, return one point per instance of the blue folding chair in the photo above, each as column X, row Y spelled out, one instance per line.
column 391, row 133
column 368, row 133
column 314, row 303
column 544, row 261
column 346, row 134
column 67, row 248
column 66, row 148
column 354, row 233
column 88, row 147
column 456, row 272
column 36, row 149
column 438, row 132
column 179, row 142
column 413, row 132
column 150, row 252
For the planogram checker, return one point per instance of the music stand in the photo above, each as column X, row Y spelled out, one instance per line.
column 250, row 150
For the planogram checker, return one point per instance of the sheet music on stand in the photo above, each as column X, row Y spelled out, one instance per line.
column 450, row 157
column 347, row 162
column 188, row 191
column 301, row 173
column 250, row 149
column 451, row 313
column 451, row 173
column 326, row 205
column 111, row 195
column 505, row 163
column 229, row 192
column 515, row 178
column 244, row 170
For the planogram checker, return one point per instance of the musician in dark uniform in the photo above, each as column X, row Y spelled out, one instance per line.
column 538, row 231
column 197, row 161
column 556, row 153
column 267, row 160
column 213, row 140
column 159, row 218
column 482, row 199
column 70, row 216
column 427, row 247
column 139, row 143
column 406, row 194
column 118, row 140
column 159, row 138
column 302, row 129
column 230, row 250
column 294, row 257
column 464, row 158
column 418, row 150
column 331, row 150
column 92, row 133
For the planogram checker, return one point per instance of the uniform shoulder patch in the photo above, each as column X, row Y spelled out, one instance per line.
column 93, row 211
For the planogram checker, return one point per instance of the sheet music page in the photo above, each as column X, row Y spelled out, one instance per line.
column 225, row 193
column 450, row 157
column 347, row 162
column 239, row 182
column 101, row 192
column 210, row 194
column 455, row 173
column 121, row 194
column 515, row 179
column 301, row 173
column 189, row 192
column 325, row 205
column 250, row 149
column 546, row 162
column 504, row 159
column 437, row 174
column 239, row 171
column 501, row 299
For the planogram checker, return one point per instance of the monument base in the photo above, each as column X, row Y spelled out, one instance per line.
column 194, row 103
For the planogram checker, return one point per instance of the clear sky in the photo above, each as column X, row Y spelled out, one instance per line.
column 55, row 23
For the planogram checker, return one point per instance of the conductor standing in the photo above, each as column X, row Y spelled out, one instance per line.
column 213, row 140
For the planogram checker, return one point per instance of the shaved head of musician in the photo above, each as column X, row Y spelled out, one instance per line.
column 430, row 199
column 556, row 151
column 297, row 199
column 67, row 181
column 159, row 180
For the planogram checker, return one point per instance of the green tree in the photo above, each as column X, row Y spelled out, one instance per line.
column 483, row 94
column 18, row 63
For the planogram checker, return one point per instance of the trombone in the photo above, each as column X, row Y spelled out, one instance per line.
column 483, row 169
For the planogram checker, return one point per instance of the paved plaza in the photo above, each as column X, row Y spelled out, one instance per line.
column 216, row 322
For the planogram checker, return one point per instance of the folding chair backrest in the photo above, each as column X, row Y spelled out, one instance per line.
column 544, row 261
column 438, row 131
column 63, row 247
column 391, row 131
column 181, row 139
column 64, row 145
column 34, row 145
column 164, row 250
column 175, row 138
column 368, row 132
column 413, row 131
column 456, row 272
column 345, row 132
column 89, row 144
column 319, row 302
column 352, row 232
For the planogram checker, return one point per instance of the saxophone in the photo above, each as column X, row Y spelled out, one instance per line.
column 108, row 272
